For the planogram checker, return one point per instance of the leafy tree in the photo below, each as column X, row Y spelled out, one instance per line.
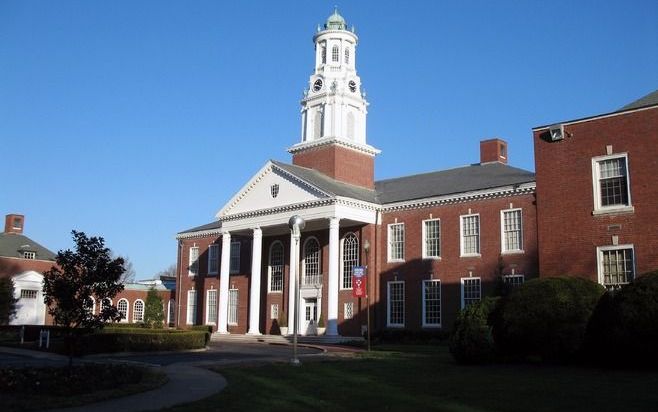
column 7, row 300
column 89, row 271
column 153, row 313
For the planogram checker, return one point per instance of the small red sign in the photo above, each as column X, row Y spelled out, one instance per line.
column 359, row 282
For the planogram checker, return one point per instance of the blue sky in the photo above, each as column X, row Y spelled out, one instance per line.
column 134, row 120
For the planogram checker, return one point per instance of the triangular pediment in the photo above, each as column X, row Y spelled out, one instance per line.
column 271, row 188
column 29, row 276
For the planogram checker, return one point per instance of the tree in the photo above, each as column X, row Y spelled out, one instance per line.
column 170, row 271
column 153, row 312
column 129, row 271
column 7, row 300
column 79, row 276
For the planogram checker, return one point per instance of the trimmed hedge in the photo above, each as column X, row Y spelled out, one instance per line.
column 140, row 340
column 471, row 341
column 408, row 336
column 546, row 317
column 623, row 329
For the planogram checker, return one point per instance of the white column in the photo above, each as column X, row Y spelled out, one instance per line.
column 254, row 304
column 291, row 284
column 222, row 323
column 332, row 284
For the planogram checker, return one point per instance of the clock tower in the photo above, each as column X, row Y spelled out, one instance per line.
column 334, row 109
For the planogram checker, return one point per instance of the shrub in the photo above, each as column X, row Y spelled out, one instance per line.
column 546, row 317
column 471, row 341
column 624, row 326
column 408, row 336
column 140, row 340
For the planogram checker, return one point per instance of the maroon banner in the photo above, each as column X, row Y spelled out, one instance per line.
column 359, row 282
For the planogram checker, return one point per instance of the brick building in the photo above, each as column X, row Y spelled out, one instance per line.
column 432, row 242
column 597, row 194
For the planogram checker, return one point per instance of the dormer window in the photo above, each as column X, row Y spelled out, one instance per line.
column 30, row 255
column 334, row 54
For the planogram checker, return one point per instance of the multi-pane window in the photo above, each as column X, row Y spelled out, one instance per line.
column 324, row 54
column 29, row 293
column 90, row 305
column 612, row 182
column 512, row 237
column 213, row 259
column 432, row 303
column 348, row 310
column 235, row 257
column 191, row 307
column 276, row 267
column 122, row 307
column 616, row 266
column 350, row 258
column 347, row 56
column 395, row 309
column 274, row 311
column 172, row 312
column 211, row 306
column 513, row 280
column 471, row 291
column 396, row 242
column 233, row 307
column 432, row 238
column 29, row 255
column 311, row 262
column 193, row 267
column 334, row 54
column 138, row 311
column 470, row 239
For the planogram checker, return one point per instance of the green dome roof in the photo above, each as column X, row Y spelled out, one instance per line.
column 335, row 21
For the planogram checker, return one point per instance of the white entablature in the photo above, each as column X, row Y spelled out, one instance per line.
column 334, row 105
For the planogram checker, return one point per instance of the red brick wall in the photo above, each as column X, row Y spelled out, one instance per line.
column 13, row 266
column 493, row 150
column 342, row 164
column 568, row 232
column 451, row 267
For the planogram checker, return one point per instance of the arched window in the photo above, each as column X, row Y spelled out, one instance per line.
column 324, row 54
column 138, row 311
column 276, row 267
column 312, row 262
column 347, row 55
column 122, row 307
column 350, row 258
column 350, row 126
column 90, row 305
column 105, row 303
column 334, row 54
column 318, row 129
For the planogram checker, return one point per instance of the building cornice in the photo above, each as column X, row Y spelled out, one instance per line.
column 199, row 234
column 597, row 117
column 316, row 144
column 278, row 209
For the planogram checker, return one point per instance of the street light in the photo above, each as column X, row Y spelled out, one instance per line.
column 296, row 225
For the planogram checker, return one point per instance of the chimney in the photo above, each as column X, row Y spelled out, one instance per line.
column 493, row 150
column 14, row 223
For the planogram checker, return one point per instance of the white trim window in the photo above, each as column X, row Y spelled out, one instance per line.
column 469, row 226
column 395, row 304
column 616, row 265
column 396, row 242
column 30, row 255
column 432, row 239
column 350, row 259
column 191, row 307
column 104, row 303
column 233, row 307
column 348, row 310
column 274, row 311
column 275, row 267
column 211, row 306
column 193, row 267
column 511, row 230
column 432, row 303
column 311, row 266
column 122, row 307
column 138, row 311
column 611, row 183
column 471, row 289
column 514, row 280
column 90, row 304
column 334, row 54
column 234, row 266
column 171, row 313
column 213, row 259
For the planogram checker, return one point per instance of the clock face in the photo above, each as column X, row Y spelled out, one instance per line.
column 352, row 86
column 317, row 85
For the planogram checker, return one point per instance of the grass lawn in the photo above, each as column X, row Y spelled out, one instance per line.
column 426, row 378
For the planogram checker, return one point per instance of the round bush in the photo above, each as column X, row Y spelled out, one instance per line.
column 624, row 326
column 546, row 317
column 471, row 341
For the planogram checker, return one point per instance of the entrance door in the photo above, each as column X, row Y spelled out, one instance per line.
column 310, row 317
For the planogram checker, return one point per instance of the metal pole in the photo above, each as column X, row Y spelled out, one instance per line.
column 295, row 359
column 368, row 280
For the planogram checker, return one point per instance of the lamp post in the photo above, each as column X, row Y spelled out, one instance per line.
column 366, row 248
column 296, row 225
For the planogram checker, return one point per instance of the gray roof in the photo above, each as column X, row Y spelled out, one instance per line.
column 208, row 226
column 327, row 184
column 650, row 99
column 451, row 181
column 14, row 244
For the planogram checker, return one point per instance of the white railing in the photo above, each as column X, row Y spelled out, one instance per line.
column 312, row 280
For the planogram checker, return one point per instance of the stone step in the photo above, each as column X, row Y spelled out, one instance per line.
column 284, row 340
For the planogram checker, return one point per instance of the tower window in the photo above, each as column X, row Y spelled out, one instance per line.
column 334, row 54
column 324, row 54
column 347, row 56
